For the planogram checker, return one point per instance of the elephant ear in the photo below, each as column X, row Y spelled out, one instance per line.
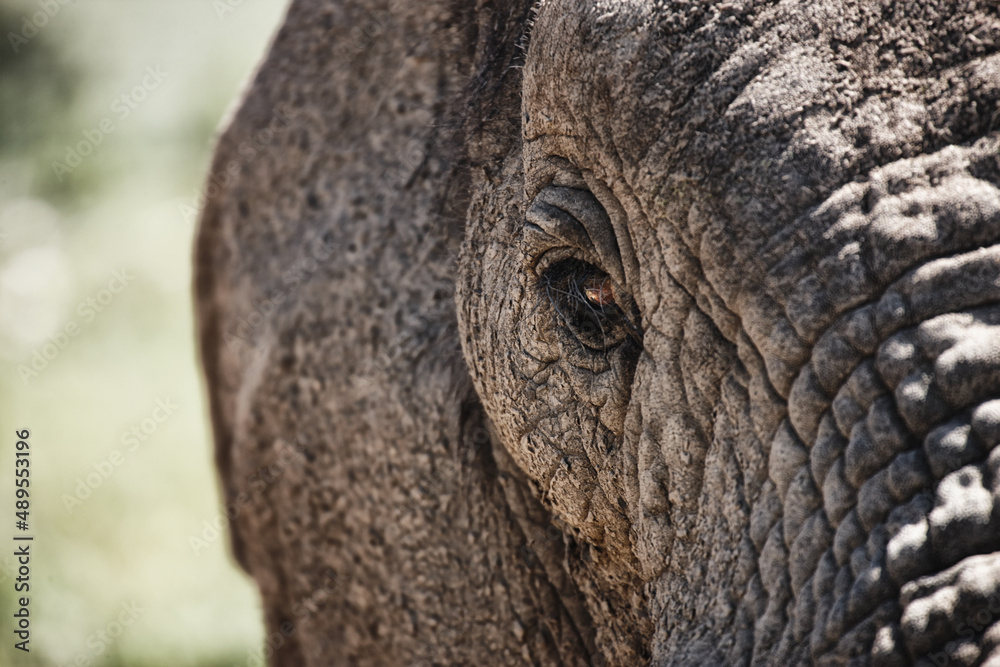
column 358, row 472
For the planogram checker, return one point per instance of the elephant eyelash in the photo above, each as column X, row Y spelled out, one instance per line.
column 584, row 300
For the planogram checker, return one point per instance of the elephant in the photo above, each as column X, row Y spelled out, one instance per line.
column 598, row 332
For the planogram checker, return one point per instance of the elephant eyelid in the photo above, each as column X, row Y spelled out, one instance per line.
column 573, row 218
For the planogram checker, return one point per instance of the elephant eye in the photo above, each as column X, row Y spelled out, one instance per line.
column 600, row 291
column 582, row 298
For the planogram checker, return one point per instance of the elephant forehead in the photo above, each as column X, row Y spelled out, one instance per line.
column 754, row 96
column 581, row 59
column 631, row 70
column 738, row 99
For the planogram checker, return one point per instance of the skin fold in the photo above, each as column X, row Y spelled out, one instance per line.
column 613, row 333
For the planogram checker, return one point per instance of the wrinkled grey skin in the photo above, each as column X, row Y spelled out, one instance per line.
column 789, row 459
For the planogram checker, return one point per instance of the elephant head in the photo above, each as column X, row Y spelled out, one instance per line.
column 624, row 332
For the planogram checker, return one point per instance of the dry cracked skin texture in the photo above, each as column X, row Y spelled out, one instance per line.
column 613, row 333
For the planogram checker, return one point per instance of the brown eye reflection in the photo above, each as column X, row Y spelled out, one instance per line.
column 600, row 291
column 583, row 298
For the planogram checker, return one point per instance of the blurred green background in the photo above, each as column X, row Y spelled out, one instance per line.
column 79, row 201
